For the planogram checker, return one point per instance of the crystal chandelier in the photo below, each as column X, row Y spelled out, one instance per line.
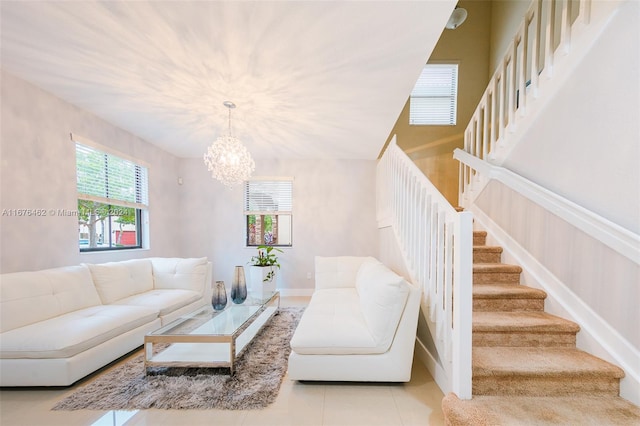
column 227, row 159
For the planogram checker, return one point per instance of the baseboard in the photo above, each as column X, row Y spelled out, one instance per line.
column 596, row 336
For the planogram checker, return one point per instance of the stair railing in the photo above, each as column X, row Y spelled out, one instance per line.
column 616, row 237
column 534, row 65
column 436, row 241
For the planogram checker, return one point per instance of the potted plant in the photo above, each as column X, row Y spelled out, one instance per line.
column 263, row 270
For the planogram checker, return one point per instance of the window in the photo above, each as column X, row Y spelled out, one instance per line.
column 112, row 195
column 268, row 211
column 434, row 98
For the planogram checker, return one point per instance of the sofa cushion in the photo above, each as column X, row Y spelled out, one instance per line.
column 69, row 334
column 337, row 272
column 383, row 295
column 30, row 297
column 166, row 301
column 331, row 296
column 117, row 280
column 178, row 273
column 333, row 324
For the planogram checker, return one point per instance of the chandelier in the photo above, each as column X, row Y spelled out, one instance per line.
column 227, row 159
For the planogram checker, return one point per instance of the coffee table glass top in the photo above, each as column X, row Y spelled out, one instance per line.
column 206, row 321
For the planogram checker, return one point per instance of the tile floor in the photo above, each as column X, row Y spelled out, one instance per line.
column 298, row 404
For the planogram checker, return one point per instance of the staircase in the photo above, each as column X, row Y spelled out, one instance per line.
column 526, row 367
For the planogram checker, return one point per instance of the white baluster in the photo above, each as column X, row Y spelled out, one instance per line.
column 565, row 28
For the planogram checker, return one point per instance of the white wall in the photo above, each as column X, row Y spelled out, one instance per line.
column 333, row 214
column 38, row 172
column 585, row 144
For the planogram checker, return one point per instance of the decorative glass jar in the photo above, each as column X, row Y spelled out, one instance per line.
column 239, row 286
column 219, row 297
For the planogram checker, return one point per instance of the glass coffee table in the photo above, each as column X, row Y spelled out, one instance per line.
column 207, row 338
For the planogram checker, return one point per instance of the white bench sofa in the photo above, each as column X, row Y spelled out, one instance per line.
column 360, row 324
column 58, row 325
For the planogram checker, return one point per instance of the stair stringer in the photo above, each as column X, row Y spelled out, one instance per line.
column 596, row 336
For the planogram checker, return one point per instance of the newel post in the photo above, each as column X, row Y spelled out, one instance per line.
column 462, row 305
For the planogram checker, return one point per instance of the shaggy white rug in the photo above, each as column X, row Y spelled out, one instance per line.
column 259, row 373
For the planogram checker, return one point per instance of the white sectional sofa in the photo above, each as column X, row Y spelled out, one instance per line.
column 360, row 324
column 58, row 325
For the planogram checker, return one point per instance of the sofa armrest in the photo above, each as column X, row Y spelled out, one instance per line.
column 338, row 271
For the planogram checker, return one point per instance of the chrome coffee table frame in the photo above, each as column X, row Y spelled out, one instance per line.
column 206, row 338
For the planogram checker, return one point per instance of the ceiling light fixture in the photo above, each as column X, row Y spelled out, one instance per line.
column 227, row 159
column 457, row 18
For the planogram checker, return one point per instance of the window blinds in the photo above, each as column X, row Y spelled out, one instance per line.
column 268, row 196
column 434, row 97
column 109, row 179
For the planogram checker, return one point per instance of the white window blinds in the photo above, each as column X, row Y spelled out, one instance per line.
column 109, row 179
column 434, row 98
column 268, row 196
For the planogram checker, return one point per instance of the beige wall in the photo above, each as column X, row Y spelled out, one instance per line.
column 506, row 16
column 431, row 147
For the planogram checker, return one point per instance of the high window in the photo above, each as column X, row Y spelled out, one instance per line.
column 112, row 198
column 268, row 208
column 434, row 98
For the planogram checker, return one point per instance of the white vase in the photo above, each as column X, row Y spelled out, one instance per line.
column 261, row 285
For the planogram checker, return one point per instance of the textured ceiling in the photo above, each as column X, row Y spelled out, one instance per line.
column 310, row 79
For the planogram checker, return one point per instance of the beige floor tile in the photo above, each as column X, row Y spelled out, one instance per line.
column 282, row 417
column 419, row 406
column 32, row 407
column 419, row 401
column 297, row 404
column 295, row 395
column 44, row 417
column 187, row 417
column 360, row 404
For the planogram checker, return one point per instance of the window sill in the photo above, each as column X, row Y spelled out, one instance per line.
column 114, row 251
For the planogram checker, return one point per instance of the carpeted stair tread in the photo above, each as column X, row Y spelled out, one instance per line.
column 507, row 291
column 479, row 237
column 486, row 254
column 540, row 361
column 496, row 267
column 495, row 249
column 526, row 369
column 539, row 410
column 496, row 273
column 526, row 321
column 506, row 297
